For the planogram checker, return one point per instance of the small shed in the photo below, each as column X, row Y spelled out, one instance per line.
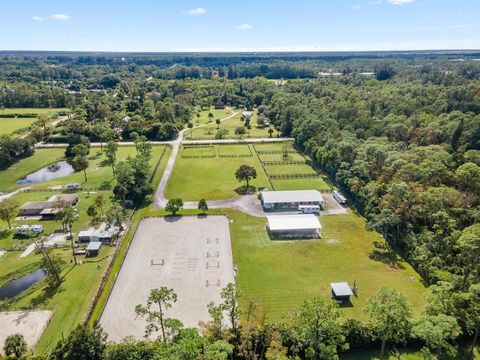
column 341, row 291
column 93, row 248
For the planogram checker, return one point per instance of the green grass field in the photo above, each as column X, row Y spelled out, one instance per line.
column 228, row 150
column 204, row 119
column 9, row 125
column 32, row 110
column 209, row 131
column 289, row 169
column 210, row 178
column 302, row 184
column 98, row 172
column 282, row 274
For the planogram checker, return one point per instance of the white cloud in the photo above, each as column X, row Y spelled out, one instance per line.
column 244, row 27
column 37, row 18
column 355, row 7
column 400, row 2
column 196, row 11
column 61, row 17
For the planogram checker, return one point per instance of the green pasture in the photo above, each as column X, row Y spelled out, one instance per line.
column 38, row 111
column 210, row 178
column 289, row 169
column 10, row 125
column 204, row 119
column 209, row 131
column 282, row 274
column 227, row 150
column 318, row 183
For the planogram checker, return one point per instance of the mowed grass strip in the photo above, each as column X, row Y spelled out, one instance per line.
column 210, row 178
column 289, row 169
column 38, row 111
column 279, row 157
column 302, row 184
column 282, row 274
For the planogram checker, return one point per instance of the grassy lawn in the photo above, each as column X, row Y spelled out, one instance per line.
column 235, row 150
column 9, row 125
column 289, row 169
column 98, row 172
column 302, row 184
column 210, row 178
column 37, row 111
column 284, row 273
column 199, row 151
column 209, row 131
column 204, row 119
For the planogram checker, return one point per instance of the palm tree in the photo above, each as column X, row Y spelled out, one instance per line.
column 190, row 126
column 218, row 123
column 68, row 216
column 270, row 132
column 15, row 346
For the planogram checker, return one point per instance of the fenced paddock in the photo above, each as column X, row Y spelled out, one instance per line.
column 190, row 254
column 198, row 151
column 290, row 169
column 234, row 151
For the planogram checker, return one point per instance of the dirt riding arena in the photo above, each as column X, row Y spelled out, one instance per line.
column 190, row 254
column 29, row 323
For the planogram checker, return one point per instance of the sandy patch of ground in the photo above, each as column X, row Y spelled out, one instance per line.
column 190, row 254
column 29, row 323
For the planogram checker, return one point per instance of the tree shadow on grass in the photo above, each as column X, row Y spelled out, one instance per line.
column 383, row 254
column 244, row 190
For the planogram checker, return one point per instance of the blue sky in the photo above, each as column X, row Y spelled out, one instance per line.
column 239, row 25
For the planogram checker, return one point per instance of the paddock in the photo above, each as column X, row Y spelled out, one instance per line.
column 191, row 255
column 29, row 323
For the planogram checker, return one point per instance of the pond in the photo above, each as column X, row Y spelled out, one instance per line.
column 52, row 171
column 15, row 287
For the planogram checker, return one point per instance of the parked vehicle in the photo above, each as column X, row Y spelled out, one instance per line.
column 342, row 200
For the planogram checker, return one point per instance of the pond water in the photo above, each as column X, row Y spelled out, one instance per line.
column 53, row 171
column 15, row 287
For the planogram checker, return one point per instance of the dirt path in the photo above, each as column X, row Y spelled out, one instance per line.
column 159, row 200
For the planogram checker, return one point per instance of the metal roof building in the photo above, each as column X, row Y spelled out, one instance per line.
column 341, row 291
column 291, row 199
column 294, row 226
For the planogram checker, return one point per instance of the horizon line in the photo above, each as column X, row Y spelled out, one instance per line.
column 253, row 51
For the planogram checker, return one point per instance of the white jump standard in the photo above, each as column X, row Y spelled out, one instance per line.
column 294, row 226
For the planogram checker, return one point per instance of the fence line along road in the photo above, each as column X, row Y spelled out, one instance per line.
column 188, row 142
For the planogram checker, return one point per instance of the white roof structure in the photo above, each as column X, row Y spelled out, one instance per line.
column 341, row 289
column 94, row 246
column 293, row 222
column 291, row 196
